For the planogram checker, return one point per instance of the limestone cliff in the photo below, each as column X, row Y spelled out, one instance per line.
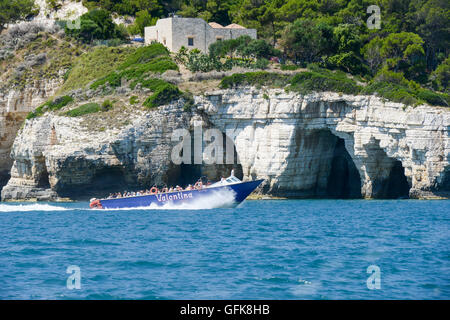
column 333, row 145
column 316, row 145
column 15, row 104
column 30, row 73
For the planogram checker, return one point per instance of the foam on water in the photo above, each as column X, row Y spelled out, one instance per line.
column 29, row 207
column 217, row 199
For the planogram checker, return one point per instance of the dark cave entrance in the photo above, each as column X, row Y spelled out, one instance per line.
column 344, row 181
column 396, row 185
column 43, row 181
column 188, row 173
column 442, row 185
column 319, row 167
column 4, row 178
column 103, row 182
column 386, row 173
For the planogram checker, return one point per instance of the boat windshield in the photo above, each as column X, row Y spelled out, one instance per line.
column 229, row 180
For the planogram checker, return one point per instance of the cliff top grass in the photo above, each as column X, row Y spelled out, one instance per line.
column 95, row 64
column 51, row 105
column 87, row 108
column 138, row 66
column 390, row 85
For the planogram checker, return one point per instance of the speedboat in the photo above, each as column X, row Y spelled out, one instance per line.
column 236, row 189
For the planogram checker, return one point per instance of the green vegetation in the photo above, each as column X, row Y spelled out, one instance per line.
column 96, row 24
column 413, row 43
column 259, row 78
column 129, row 7
column 138, row 66
column 45, row 56
column 394, row 86
column 13, row 10
column 387, row 84
column 323, row 80
column 223, row 55
column 84, row 109
column 107, row 105
column 163, row 92
column 134, row 100
column 304, row 82
column 143, row 19
column 95, row 64
column 290, row 67
column 51, row 105
column 441, row 76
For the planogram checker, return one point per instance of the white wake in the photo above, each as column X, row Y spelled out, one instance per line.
column 29, row 207
column 217, row 199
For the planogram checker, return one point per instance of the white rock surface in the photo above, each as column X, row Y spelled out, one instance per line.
column 286, row 139
column 294, row 142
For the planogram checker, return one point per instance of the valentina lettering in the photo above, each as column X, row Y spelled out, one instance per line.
column 174, row 196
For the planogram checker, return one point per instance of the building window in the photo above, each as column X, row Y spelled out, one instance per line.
column 164, row 41
column 190, row 41
column 219, row 39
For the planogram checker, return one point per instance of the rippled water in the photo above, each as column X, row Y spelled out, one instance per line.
column 302, row 249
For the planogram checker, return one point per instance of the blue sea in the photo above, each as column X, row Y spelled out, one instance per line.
column 278, row 249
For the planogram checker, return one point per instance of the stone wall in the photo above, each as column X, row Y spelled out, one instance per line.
column 174, row 33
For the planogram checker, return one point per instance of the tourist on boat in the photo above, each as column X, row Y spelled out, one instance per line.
column 199, row 184
column 232, row 172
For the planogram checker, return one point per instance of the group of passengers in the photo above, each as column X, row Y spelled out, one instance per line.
column 154, row 190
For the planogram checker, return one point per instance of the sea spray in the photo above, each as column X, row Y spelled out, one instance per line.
column 30, row 207
column 217, row 199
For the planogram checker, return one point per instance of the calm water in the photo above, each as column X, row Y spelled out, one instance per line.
column 302, row 249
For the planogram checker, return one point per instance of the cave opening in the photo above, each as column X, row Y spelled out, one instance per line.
column 396, row 186
column 344, row 181
column 43, row 181
column 386, row 173
column 188, row 173
column 442, row 184
column 319, row 167
column 4, row 178
column 103, row 182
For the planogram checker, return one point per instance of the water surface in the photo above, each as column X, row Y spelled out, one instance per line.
column 291, row 249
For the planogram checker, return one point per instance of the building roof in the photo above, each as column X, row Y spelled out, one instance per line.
column 234, row 26
column 215, row 25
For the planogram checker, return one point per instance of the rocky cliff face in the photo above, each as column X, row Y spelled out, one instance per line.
column 15, row 104
column 318, row 145
column 334, row 145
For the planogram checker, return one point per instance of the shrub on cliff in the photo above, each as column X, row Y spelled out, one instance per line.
column 259, row 78
column 84, row 109
column 323, row 80
column 395, row 87
column 163, row 93
column 304, row 82
column 13, row 10
column 50, row 105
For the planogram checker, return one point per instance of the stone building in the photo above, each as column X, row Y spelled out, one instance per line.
column 175, row 32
